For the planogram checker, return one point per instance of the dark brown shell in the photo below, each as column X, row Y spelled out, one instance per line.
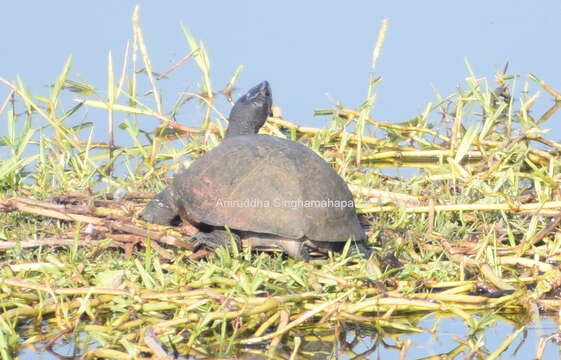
column 242, row 183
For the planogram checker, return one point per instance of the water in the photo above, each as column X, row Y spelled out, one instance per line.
column 442, row 338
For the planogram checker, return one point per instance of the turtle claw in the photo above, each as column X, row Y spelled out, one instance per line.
column 213, row 240
column 304, row 254
column 359, row 248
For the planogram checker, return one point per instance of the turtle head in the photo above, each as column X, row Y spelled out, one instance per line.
column 250, row 111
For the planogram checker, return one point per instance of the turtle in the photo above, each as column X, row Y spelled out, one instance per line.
column 268, row 191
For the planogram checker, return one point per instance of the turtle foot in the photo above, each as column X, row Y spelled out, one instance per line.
column 213, row 240
column 360, row 248
column 296, row 249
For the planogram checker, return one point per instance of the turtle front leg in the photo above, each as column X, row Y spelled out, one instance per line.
column 214, row 239
column 161, row 209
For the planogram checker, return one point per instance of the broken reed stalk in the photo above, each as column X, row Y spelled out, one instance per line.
column 94, row 216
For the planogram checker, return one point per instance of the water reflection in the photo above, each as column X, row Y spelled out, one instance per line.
column 443, row 338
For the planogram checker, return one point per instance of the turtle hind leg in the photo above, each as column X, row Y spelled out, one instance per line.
column 294, row 248
column 324, row 247
column 214, row 239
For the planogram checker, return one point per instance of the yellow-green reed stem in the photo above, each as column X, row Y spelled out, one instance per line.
column 372, row 81
column 139, row 39
column 505, row 344
column 110, row 101
column 467, row 207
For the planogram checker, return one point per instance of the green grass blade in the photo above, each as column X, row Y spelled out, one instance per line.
column 467, row 142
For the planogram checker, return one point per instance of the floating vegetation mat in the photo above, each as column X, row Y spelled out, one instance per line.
column 472, row 227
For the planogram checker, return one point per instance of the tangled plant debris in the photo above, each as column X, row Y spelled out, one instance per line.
column 474, row 229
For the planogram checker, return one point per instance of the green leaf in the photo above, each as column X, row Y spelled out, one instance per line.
column 466, row 142
column 59, row 83
column 79, row 87
column 25, row 92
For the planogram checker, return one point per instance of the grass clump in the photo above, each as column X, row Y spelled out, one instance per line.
column 475, row 229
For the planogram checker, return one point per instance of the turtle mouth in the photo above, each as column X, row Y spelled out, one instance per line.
column 266, row 96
